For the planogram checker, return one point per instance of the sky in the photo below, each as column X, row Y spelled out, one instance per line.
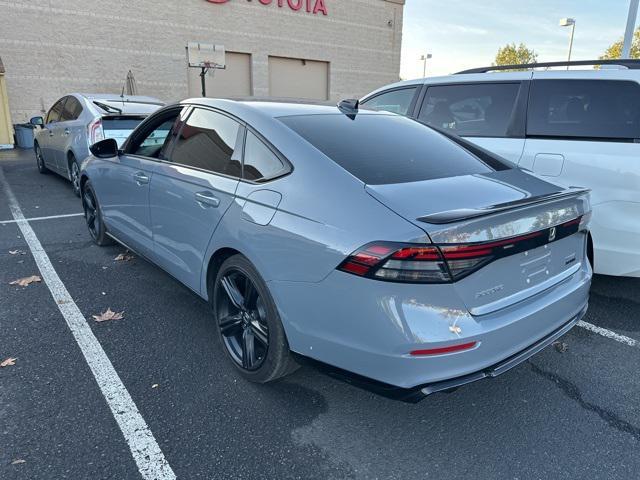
column 466, row 33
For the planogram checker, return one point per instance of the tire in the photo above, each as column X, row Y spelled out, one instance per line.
column 93, row 217
column 40, row 159
column 74, row 173
column 250, row 318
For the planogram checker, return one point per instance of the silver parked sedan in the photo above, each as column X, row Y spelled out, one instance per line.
column 77, row 121
column 405, row 260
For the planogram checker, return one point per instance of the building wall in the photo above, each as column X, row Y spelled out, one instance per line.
column 54, row 47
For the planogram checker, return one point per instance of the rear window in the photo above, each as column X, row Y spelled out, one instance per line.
column 383, row 149
column 584, row 109
column 120, row 123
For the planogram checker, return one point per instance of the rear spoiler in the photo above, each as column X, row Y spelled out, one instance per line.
column 451, row 216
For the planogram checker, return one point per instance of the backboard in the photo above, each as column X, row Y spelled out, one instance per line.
column 205, row 55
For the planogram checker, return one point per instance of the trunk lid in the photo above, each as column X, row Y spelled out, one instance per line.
column 530, row 223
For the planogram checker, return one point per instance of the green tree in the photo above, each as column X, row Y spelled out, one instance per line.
column 511, row 54
column 615, row 50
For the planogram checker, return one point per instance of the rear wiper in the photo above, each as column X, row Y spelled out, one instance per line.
column 108, row 108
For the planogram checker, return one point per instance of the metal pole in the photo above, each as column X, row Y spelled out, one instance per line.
column 424, row 68
column 203, row 82
column 573, row 29
column 628, row 33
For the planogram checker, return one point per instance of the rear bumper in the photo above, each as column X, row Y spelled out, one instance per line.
column 415, row 394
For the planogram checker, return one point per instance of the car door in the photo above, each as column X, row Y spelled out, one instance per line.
column 585, row 132
column 46, row 138
column 123, row 189
column 489, row 114
column 191, row 191
column 58, row 139
column 73, row 135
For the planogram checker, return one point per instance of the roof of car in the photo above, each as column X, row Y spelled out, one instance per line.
column 114, row 97
column 272, row 109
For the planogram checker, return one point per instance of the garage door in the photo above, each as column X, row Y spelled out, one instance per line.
column 296, row 78
column 234, row 81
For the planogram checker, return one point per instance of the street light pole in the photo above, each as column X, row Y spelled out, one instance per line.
column 570, row 22
column 628, row 33
column 424, row 59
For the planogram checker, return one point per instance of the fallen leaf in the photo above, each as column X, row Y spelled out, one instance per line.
column 155, row 385
column 23, row 282
column 18, row 461
column 17, row 252
column 108, row 315
column 8, row 362
column 561, row 347
column 124, row 257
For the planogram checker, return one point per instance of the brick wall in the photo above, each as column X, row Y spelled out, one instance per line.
column 53, row 47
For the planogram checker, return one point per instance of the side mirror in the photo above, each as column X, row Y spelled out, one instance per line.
column 37, row 121
column 106, row 148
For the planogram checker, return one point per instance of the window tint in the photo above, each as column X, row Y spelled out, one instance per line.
column 381, row 149
column 396, row 101
column 207, row 140
column 584, row 108
column 260, row 163
column 483, row 109
column 56, row 111
column 72, row 109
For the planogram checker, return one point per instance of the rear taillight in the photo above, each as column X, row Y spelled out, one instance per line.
column 95, row 131
column 411, row 263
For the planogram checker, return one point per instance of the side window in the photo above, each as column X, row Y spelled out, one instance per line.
column 56, row 111
column 72, row 110
column 584, row 109
column 480, row 110
column 395, row 101
column 260, row 163
column 153, row 140
column 207, row 140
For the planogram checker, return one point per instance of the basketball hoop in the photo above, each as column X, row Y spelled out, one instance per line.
column 207, row 57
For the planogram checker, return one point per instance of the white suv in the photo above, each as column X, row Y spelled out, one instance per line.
column 573, row 127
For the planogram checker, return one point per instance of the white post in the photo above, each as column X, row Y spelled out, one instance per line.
column 573, row 29
column 631, row 23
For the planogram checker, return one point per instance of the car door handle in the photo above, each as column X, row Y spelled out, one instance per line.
column 141, row 178
column 207, row 198
column 51, row 133
column 66, row 131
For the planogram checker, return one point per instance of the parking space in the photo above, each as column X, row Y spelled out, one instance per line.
column 567, row 412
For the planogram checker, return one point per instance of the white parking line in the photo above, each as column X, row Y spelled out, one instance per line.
column 608, row 333
column 144, row 448
column 50, row 217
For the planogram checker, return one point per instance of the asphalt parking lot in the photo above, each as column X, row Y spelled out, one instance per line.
column 569, row 412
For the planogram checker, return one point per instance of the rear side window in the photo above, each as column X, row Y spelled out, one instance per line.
column 480, row 110
column 207, row 141
column 260, row 162
column 584, row 109
column 72, row 110
column 395, row 101
column 381, row 149
column 56, row 111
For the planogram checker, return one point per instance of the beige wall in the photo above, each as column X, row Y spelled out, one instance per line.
column 58, row 46
column 298, row 78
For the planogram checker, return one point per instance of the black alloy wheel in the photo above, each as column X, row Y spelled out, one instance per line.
column 248, row 322
column 242, row 320
column 93, row 217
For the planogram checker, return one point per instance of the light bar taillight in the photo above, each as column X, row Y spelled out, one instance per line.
column 397, row 262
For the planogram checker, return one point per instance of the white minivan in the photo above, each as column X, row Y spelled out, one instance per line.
column 573, row 127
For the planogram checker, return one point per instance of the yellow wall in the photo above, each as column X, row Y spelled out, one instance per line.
column 6, row 128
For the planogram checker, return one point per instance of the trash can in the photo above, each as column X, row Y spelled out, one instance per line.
column 24, row 135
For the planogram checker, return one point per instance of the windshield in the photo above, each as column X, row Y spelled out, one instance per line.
column 382, row 149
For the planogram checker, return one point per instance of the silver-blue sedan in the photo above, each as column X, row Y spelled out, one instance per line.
column 404, row 259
